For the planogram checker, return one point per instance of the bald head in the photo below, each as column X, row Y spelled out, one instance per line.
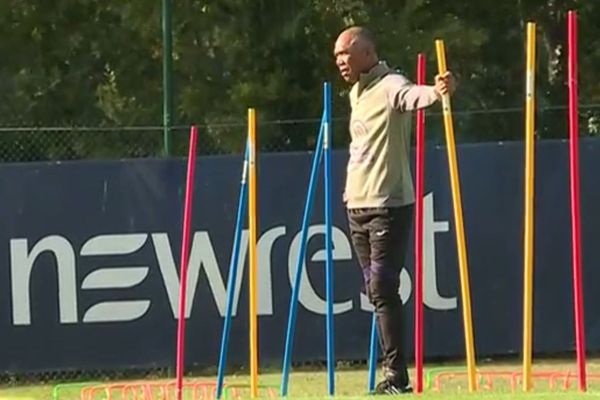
column 361, row 36
column 355, row 52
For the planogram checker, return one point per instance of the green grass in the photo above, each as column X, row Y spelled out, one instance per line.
column 352, row 384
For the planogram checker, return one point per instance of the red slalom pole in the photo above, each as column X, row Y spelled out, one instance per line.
column 185, row 252
column 420, row 169
column 575, row 204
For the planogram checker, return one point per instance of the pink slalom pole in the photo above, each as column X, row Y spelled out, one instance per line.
column 420, row 177
column 185, row 251
column 575, row 204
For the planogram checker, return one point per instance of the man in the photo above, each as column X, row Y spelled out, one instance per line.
column 379, row 192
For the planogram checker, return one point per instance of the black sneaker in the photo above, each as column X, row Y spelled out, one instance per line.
column 389, row 387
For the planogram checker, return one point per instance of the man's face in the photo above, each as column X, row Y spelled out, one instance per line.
column 349, row 57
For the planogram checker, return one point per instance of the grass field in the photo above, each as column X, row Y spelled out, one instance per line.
column 350, row 384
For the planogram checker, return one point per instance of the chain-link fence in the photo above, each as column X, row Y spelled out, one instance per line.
column 24, row 144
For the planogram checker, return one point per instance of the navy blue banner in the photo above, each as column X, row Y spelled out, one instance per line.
column 90, row 260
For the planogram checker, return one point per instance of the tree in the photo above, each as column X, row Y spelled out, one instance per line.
column 98, row 63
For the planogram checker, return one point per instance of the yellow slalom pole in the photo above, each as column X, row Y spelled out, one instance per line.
column 252, row 226
column 458, row 219
column 529, row 216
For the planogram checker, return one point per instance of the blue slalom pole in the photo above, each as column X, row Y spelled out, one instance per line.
column 373, row 353
column 231, row 280
column 289, row 338
column 327, row 138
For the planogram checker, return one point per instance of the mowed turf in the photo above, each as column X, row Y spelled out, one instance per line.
column 351, row 384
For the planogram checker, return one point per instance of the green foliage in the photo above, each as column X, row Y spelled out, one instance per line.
column 99, row 63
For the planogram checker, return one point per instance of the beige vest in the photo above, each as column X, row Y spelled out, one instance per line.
column 378, row 172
